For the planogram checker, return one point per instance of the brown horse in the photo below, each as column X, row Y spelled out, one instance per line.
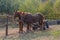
column 29, row 19
column 19, row 15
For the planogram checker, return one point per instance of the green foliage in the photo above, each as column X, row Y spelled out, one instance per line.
column 8, row 6
column 50, row 8
column 29, row 5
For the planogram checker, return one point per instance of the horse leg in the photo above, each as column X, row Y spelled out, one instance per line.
column 41, row 25
column 20, row 26
column 47, row 25
column 28, row 27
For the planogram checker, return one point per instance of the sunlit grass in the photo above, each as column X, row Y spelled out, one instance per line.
column 55, row 33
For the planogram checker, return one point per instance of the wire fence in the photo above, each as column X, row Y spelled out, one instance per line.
column 7, row 22
column 5, row 19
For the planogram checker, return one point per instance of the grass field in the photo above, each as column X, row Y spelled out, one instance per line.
column 53, row 33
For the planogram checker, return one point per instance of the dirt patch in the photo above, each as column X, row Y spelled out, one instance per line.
column 53, row 33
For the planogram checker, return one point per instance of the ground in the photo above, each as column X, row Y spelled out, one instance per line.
column 53, row 33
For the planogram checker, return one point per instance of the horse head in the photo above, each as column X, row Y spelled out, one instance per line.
column 18, row 14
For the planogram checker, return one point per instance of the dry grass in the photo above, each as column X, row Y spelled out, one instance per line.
column 53, row 33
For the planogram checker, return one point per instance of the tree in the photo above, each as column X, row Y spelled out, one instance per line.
column 8, row 6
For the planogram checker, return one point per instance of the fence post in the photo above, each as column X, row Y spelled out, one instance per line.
column 7, row 27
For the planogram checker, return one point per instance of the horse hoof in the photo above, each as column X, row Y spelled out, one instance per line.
column 21, row 32
column 41, row 29
column 44, row 28
column 28, row 31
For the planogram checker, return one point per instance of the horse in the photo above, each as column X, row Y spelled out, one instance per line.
column 29, row 19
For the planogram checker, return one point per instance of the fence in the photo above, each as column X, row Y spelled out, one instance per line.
column 6, row 21
column 53, row 22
